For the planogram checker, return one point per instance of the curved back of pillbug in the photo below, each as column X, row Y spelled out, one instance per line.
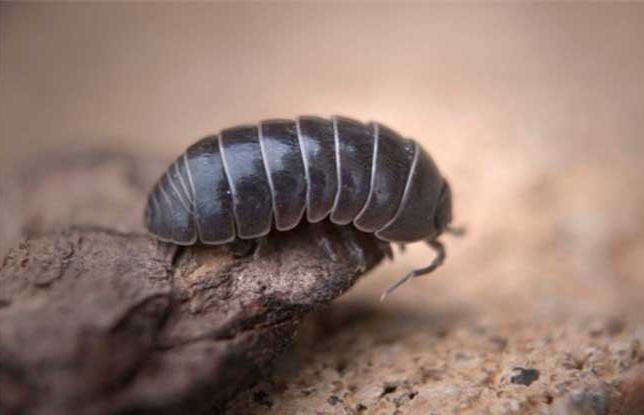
column 169, row 213
column 213, row 200
column 391, row 166
column 355, row 149
column 246, row 173
column 235, row 183
column 285, row 171
column 317, row 144
column 156, row 217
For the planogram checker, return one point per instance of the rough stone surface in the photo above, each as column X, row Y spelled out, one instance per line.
column 464, row 366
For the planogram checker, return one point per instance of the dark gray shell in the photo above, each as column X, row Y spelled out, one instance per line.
column 246, row 180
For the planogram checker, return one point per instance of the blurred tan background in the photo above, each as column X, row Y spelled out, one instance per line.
column 535, row 112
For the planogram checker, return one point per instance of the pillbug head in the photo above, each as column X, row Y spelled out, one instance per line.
column 443, row 215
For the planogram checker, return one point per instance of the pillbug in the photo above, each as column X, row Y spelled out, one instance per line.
column 248, row 179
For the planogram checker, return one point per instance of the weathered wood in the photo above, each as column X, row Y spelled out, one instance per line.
column 96, row 317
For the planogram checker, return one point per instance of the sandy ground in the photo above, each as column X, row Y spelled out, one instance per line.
column 533, row 112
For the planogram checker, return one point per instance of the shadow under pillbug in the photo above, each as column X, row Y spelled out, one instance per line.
column 236, row 183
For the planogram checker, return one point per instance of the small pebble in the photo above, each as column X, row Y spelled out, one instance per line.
column 333, row 400
column 525, row 376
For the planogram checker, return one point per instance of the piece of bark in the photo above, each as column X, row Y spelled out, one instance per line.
column 96, row 317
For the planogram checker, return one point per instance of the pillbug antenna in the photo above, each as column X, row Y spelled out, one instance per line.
column 438, row 247
column 457, row 231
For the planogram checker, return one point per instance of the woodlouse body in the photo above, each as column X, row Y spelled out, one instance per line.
column 237, row 183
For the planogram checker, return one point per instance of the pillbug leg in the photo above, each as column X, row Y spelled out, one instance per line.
column 240, row 248
column 437, row 262
column 325, row 244
column 402, row 247
column 177, row 254
column 385, row 247
column 259, row 246
column 349, row 241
